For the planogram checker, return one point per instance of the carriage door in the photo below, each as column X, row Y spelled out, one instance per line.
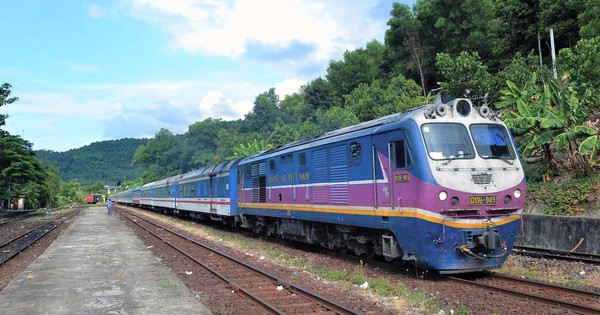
column 389, row 156
column 212, row 193
column 400, row 161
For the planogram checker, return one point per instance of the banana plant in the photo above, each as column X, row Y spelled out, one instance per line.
column 249, row 149
column 549, row 114
column 528, row 105
column 568, row 118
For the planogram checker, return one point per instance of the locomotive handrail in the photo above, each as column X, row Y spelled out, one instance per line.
column 491, row 168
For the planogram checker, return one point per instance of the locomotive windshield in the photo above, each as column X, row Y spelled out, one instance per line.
column 447, row 141
column 450, row 141
column 492, row 141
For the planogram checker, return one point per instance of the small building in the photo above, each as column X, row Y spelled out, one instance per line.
column 17, row 204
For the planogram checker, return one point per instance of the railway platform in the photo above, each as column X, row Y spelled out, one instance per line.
column 98, row 266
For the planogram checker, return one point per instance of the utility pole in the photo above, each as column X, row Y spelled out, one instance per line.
column 554, row 72
column 540, row 48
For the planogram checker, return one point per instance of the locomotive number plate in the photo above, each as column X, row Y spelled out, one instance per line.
column 482, row 200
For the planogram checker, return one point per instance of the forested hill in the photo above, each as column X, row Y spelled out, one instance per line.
column 106, row 161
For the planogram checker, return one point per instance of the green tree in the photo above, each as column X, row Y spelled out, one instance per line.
column 581, row 66
column 264, row 114
column 283, row 134
column 71, row 194
column 161, row 157
column 52, row 190
column 450, row 26
column 5, row 99
column 517, row 26
column 319, row 94
column 360, row 66
column 562, row 17
column 95, row 188
column 296, row 107
column 404, row 44
column 466, row 76
column 18, row 168
column 589, row 19
column 201, row 142
column 370, row 101
column 519, row 71
column 336, row 118
column 230, row 138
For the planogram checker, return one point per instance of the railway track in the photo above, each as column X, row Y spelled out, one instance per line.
column 556, row 254
column 15, row 245
column 564, row 298
column 14, row 216
column 272, row 294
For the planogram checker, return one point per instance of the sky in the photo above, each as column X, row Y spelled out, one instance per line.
column 93, row 70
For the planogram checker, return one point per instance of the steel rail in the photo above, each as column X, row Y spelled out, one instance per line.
column 29, row 242
column 557, row 254
column 555, row 302
column 324, row 302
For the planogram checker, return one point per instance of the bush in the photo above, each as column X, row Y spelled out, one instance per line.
column 572, row 197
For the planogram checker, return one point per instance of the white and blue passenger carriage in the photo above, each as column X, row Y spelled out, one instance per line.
column 209, row 192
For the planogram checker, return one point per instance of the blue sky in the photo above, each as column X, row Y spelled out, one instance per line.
column 87, row 71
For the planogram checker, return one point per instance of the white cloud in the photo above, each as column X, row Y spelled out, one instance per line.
column 215, row 104
column 288, row 87
column 225, row 28
column 59, row 104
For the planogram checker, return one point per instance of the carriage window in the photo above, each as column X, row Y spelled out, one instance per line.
column 302, row 158
column 401, row 157
column 447, row 141
column 272, row 165
column 355, row 150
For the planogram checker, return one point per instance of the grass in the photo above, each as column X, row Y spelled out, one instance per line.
column 168, row 283
column 381, row 287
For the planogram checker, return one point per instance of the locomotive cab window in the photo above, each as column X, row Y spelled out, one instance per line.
column 447, row 141
column 492, row 141
column 355, row 150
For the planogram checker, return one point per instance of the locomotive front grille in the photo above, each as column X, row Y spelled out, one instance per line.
column 482, row 178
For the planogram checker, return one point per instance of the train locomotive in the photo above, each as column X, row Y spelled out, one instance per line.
column 440, row 186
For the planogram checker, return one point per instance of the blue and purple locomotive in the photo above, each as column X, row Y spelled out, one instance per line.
column 439, row 186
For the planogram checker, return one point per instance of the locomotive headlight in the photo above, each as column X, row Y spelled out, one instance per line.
column 463, row 108
column 443, row 195
column 517, row 193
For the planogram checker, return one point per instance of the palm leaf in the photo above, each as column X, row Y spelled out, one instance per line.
column 551, row 123
column 588, row 144
column 523, row 109
column 585, row 130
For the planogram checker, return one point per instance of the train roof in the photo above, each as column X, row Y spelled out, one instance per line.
column 210, row 170
column 364, row 128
